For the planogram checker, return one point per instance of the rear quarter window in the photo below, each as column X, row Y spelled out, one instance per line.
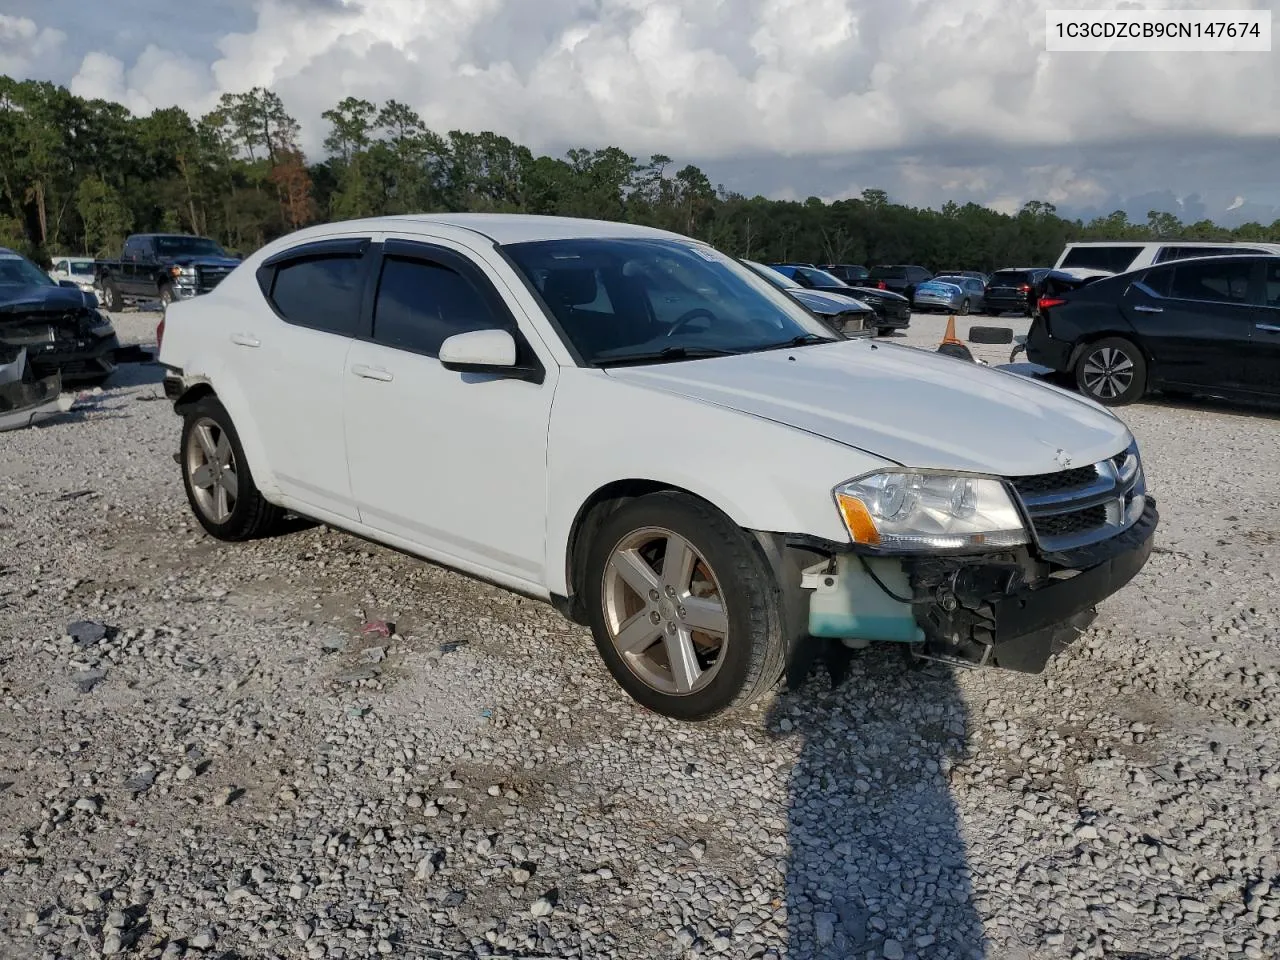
column 1115, row 259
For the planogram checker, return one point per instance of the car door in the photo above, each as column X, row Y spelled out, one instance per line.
column 451, row 463
column 1264, row 356
column 128, row 262
column 289, row 356
column 1196, row 320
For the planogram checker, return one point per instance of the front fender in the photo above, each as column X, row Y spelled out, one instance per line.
column 763, row 475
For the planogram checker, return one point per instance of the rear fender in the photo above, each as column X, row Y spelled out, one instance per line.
column 237, row 406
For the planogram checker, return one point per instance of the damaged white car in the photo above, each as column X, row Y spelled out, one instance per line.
column 638, row 429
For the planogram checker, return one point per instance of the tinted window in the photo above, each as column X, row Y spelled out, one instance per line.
column 1113, row 259
column 920, row 273
column 1271, row 288
column 819, row 278
column 1159, row 280
column 17, row 270
column 321, row 292
column 888, row 273
column 1220, row 281
column 180, row 246
column 1009, row 278
column 1185, row 253
column 420, row 305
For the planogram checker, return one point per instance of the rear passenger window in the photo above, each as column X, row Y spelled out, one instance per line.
column 1159, row 280
column 1218, row 281
column 421, row 304
column 1271, row 287
column 322, row 293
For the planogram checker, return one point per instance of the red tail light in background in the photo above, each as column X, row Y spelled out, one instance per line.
column 1047, row 302
column 159, row 334
column 881, row 285
column 1025, row 287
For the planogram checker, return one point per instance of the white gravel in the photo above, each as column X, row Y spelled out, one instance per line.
column 238, row 770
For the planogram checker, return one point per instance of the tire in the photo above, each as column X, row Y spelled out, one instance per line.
column 243, row 513
column 883, row 331
column 1112, row 371
column 111, row 296
column 744, row 599
column 964, row 309
column 166, row 295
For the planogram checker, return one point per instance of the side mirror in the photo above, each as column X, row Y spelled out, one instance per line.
column 486, row 351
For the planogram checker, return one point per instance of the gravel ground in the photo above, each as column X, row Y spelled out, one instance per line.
column 238, row 769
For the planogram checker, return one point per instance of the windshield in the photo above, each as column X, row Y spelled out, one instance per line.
column 654, row 300
column 779, row 280
column 820, row 278
column 19, row 271
column 188, row 247
column 888, row 273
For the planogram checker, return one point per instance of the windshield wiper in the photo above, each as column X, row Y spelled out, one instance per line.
column 803, row 340
column 666, row 353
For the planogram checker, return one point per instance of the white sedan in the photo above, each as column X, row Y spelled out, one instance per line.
column 637, row 428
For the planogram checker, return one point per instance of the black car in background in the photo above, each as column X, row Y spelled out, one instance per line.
column 899, row 278
column 1207, row 325
column 851, row 273
column 1019, row 289
column 58, row 324
column 893, row 311
column 843, row 313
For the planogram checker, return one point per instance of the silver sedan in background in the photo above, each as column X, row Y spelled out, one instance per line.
column 950, row 294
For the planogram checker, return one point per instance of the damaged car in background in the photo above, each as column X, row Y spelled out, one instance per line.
column 647, row 434
column 58, row 325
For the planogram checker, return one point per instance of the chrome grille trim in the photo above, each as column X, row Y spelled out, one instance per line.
column 1059, row 501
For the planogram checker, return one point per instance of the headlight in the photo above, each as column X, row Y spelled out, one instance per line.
column 910, row 512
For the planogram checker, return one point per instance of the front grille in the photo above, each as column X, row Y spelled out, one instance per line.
column 1055, row 482
column 210, row 277
column 1067, row 524
column 1083, row 505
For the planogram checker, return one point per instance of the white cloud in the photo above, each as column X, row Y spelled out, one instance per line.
column 24, row 44
column 718, row 80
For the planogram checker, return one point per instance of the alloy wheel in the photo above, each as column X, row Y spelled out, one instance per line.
column 212, row 470
column 664, row 611
column 1108, row 372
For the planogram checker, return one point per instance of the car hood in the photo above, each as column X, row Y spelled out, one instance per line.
column 913, row 407
column 828, row 303
column 29, row 299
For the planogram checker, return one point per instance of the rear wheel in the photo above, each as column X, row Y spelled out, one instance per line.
column 111, row 296
column 216, row 475
column 1112, row 371
column 683, row 607
column 964, row 309
column 166, row 294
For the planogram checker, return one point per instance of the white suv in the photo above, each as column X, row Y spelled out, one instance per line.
column 640, row 430
column 1103, row 258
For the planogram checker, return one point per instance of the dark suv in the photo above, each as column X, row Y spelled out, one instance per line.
column 1016, row 289
column 850, row 273
column 899, row 278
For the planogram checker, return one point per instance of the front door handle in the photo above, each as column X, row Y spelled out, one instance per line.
column 1269, row 327
column 371, row 373
column 1141, row 309
column 245, row 340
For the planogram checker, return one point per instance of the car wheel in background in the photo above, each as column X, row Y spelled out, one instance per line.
column 683, row 607
column 964, row 309
column 111, row 296
column 216, row 475
column 166, row 294
column 1112, row 371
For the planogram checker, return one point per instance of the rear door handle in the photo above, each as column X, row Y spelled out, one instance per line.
column 1269, row 327
column 1141, row 309
column 245, row 340
column 371, row 373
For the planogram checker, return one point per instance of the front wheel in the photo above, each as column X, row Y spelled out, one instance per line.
column 216, row 475
column 1112, row 371
column 683, row 607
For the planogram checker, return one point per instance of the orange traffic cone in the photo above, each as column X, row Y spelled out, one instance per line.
column 950, row 335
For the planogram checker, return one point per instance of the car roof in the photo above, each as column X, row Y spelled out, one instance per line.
column 504, row 228
column 1174, row 243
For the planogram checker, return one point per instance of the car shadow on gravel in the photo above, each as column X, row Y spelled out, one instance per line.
column 877, row 863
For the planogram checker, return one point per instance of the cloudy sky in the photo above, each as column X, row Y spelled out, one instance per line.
column 928, row 99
